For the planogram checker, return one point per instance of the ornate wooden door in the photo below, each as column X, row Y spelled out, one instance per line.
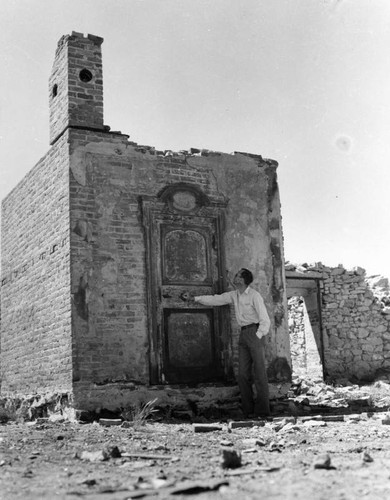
column 188, row 342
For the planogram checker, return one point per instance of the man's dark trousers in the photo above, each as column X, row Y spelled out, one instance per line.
column 251, row 354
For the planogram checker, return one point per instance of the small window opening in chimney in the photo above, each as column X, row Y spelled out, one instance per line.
column 55, row 90
column 85, row 75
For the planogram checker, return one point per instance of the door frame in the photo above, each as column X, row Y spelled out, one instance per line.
column 154, row 208
column 302, row 286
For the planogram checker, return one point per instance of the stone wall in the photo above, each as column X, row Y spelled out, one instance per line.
column 35, row 283
column 296, row 326
column 355, row 318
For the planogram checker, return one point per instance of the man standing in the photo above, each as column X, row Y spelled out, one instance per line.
column 253, row 319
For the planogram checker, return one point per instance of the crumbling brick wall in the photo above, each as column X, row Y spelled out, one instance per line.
column 35, row 299
column 110, row 315
column 76, row 301
column 355, row 320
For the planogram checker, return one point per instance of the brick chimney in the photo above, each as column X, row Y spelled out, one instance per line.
column 76, row 85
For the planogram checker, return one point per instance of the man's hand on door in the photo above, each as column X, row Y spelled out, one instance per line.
column 187, row 297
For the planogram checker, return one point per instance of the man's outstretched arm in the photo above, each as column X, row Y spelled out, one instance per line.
column 210, row 300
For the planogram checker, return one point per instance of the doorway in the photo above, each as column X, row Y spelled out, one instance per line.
column 188, row 343
column 305, row 328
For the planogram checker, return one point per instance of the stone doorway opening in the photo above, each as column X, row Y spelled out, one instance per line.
column 305, row 328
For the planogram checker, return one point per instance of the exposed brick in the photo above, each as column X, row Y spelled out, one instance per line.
column 36, row 213
column 75, row 310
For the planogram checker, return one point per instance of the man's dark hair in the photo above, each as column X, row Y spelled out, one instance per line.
column 246, row 275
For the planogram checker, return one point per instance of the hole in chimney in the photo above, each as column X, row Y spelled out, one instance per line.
column 85, row 75
column 55, row 90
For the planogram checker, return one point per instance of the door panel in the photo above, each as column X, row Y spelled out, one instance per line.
column 185, row 255
column 190, row 354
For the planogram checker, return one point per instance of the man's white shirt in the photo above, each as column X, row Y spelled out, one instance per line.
column 249, row 307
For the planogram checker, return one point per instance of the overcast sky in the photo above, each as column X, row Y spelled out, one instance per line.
column 304, row 82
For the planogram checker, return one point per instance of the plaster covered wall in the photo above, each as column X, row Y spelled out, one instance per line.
column 110, row 315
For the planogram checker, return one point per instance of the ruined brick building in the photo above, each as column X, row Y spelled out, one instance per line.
column 103, row 235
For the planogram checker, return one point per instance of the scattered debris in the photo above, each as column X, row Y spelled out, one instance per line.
column 154, row 483
column 314, row 423
column 231, row 459
column 89, row 482
column 332, row 418
column 112, row 451
column 285, row 420
column 108, row 422
column 289, row 428
column 274, row 446
column 207, row 427
column 312, row 417
column 127, row 425
column 386, row 420
column 135, row 465
column 366, row 457
column 192, row 488
column 252, row 470
column 313, row 395
column 92, row 456
column 42, row 420
column 249, row 450
column 362, row 401
column 269, row 469
column 286, row 423
column 246, row 423
column 57, row 418
column 252, row 442
column 323, row 462
column 147, row 456
column 100, row 455
column 353, row 418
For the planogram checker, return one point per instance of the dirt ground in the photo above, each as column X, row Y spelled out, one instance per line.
column 306, row 456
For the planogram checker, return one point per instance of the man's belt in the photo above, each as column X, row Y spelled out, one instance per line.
column 249, row 326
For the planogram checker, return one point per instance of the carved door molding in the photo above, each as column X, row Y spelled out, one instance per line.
column 188, row 343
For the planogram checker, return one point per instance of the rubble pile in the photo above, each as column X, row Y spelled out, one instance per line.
column 307, row 397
